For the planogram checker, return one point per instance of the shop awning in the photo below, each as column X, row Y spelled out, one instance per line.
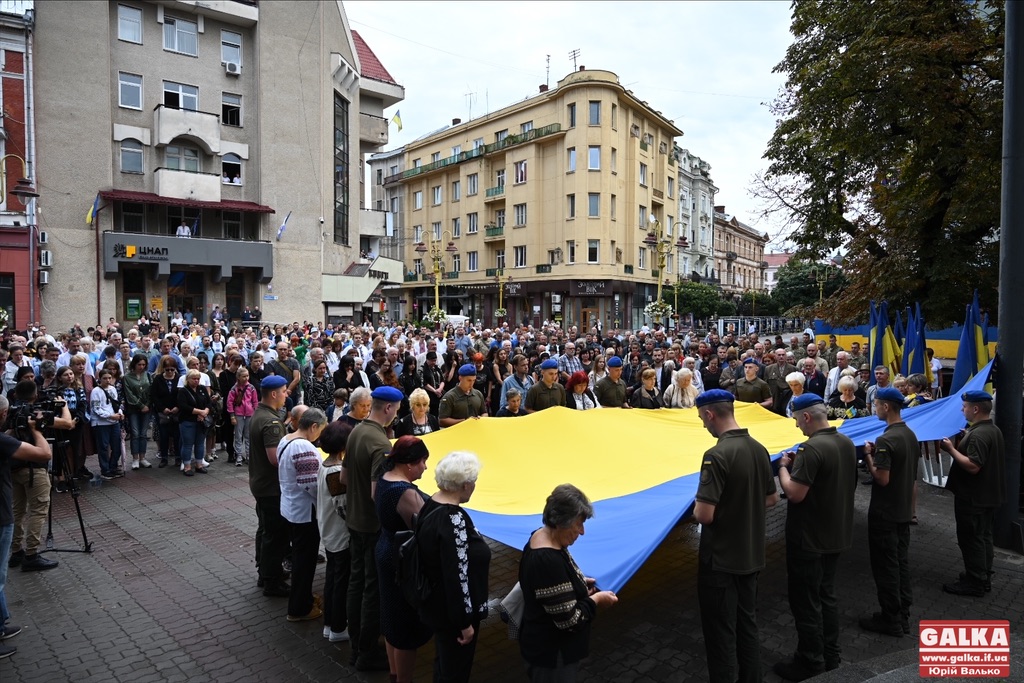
column 150, row 198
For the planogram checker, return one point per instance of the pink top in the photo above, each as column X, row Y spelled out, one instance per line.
column 242, row 404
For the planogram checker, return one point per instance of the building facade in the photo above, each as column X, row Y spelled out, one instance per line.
column 696, row 206
column 739, row 254
column 774, row 261
column 553, row 197
column 217, row 149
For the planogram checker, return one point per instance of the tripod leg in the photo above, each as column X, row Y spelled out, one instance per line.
column 49, row 524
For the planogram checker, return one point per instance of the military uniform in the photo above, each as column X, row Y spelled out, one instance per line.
column 735, row 477
column 752, row 392
column 459, row 405
column 889, row 515
column 540, row 396
column 775, row 377
column 818, row 529
column 977, row 497
column 610, row 393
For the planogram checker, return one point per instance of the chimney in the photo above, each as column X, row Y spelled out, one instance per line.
column 720, row 208
column 544, row 88
column 582, row 68
column 456, row 122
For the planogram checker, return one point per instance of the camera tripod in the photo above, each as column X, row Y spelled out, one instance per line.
column 63, row 463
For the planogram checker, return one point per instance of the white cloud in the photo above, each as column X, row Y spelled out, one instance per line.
column 706, row 65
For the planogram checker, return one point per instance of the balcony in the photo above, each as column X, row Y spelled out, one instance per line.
column 201, row 187
column 427, row 277
column 494, row 233
column 494, row 193
column 730, row 256
column 164, row 253
column 373, row 129
column 451, row 275
column 372, row 223
column 197, row 126
column 627, row 269
column 543, row 268
column 411, row 277
column 491, row 272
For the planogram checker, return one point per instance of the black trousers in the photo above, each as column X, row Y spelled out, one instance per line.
column 812, row 599
column 271, row 538
column 305, row 538
column 974, row 536
column 728, row 615
column 453, row 663
column 889, row 548
column 363, row 594
column 339, row 568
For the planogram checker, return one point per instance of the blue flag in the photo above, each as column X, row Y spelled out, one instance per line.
column 280, row 231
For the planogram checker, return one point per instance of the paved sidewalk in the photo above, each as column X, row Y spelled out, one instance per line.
column 169, row 594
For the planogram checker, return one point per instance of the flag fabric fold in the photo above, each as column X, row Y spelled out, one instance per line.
column 397, row 119
column 93, row 210
column 972, row 353
column 280, row 231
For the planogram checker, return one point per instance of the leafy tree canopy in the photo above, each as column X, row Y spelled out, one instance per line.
column 797, row 291
column 700, row 299
column 887, row 147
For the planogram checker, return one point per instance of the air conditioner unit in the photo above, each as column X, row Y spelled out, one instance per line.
column 233, row 68
column 45, row 258
column 44, row 277
column 44, row 237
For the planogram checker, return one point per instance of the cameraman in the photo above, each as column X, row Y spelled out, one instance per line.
column 10, row 447
column 31, row 483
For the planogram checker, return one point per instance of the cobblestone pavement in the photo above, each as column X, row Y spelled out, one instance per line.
column 169, row 594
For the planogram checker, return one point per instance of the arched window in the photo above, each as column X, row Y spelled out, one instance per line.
column 231, row 169
column 131, row 156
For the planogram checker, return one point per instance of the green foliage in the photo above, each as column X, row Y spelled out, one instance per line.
column 699, row 299
column 725, row 308
column 887, row 147
column 796, row 289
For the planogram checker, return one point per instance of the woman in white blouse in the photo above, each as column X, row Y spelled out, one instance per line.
column 681, row 393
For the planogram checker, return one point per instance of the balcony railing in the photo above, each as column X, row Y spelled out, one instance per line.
column 411, row 277
column 543, row 268
column 627, row 269
column 451, row 275
column 493, row 192
column 494, row 232
column 730, row 256
column 509, row 141
column 427, row 277
column 491, row 272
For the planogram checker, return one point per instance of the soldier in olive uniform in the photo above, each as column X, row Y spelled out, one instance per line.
column 610, row 390
column 752, row 389
column 819, row 480
column 547, row 392
column 976, row 480
column 892, row 464
column 462, row 402
column 736, row 485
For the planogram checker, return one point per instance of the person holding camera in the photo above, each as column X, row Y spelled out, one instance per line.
column 31, row 485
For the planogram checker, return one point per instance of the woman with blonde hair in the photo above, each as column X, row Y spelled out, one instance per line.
column 419, row 421
column 681, row 393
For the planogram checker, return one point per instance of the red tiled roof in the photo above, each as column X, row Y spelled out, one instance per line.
column 369, row 65
column 150, row 198
column 776, row 260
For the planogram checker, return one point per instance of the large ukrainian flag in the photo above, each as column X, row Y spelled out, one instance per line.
column 972, row 353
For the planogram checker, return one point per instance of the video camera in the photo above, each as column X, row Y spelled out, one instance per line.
column 48, row 405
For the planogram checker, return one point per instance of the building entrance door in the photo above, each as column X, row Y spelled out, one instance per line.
column 186, row 292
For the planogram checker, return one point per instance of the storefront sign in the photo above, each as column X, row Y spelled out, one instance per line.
column 143, row 253
column 513, row 288
column 377, row 274
column 133, row 308
column 591, row 288
column 156, row 302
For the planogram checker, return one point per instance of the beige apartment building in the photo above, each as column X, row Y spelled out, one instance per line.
column 221, row 145
column 739, row 254
column 555, row 193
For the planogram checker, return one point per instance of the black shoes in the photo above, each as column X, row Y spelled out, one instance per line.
column 37, row 563
column 987, row 584
column 965, row 587
column 276, row 589
column 876, row 623
column 84, row 474
column 16, row 558
column 795, row 671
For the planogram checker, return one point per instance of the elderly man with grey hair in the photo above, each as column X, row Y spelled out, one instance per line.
column 832, row 383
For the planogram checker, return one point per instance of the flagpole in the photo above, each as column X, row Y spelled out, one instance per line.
column 1008, row 528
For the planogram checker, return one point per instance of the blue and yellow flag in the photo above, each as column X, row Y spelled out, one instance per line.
column 972, row 354
column 397, row 119
column 93, row 210
column 884, row 349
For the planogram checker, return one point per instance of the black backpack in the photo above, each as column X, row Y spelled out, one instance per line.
column 416, row 587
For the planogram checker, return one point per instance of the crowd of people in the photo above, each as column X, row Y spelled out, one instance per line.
column 273, row 397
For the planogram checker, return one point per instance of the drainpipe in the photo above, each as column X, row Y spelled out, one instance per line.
column 30, row 161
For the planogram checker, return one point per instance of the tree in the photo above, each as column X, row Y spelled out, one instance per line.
column 694, row 297
column 796, row 287
column 887, row 146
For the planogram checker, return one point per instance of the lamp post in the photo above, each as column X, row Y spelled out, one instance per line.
column 662, row 246
column 821, row 275
column 436, row 252
column 501, row 279
column 25, row 191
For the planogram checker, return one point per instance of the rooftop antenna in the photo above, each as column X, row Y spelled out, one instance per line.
column 547, row 78
column 469, row 100
column 573, row 55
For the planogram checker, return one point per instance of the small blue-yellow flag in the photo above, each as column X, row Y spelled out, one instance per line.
column 397, row 119
column 93, row 210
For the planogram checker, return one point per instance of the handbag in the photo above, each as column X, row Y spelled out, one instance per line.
column 511, row 610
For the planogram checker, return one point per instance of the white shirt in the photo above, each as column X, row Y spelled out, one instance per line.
column 298, row 486
column 183, row 231
column 333, row 529
column 204, row 380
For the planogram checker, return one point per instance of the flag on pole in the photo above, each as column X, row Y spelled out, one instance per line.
column 93, row 210
column 397, row 119
column 898, row 331
column 195, row 225
column 884, row 349
column 280, row 231
column 911, row 359
column 972, row 354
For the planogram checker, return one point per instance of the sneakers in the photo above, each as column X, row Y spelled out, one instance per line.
column 144, row 464
column 9, row 631
column 37, row 563
column 794, row 670
column 965, row 587
column 135, row 464
column 314, row 613
column 7, row 651
column 987, row 585
column 107, row 476
column 16, row 558
column 335, row 636
column 61, row 486
column 876, row 623
column 239, row 463
column 204, row 463
column 84, row 474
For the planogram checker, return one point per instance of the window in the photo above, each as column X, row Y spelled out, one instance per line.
column 456, row 190
column 643, row 217
column 436, row 156
column 671, row 189
column 643, row 174
column 641, row 258
column 571, row 160
column 129, row 90
column 380, row 176
column 181, row 158
column 615, row 116
column 519, row 257
column 417, row 266
column 473, row 261
column 570, row 206
column 416, row 163
column 129, row 24
column 571, row 112
column 615, row 160
column 526, row 127
column 231, row 169
column 393, row 170
column 520, row 215
column 181, row 36
column 593, row 251
column 394, row 205
column 595, row 113
column 342, row 170
column 570, row 251
column 611, row 207
column 133, row 217
column 436, row 229
column 436, row 194
column 594, row 158
column 473, row 223
column 181, row 96
column 520, row 171
column 233, row 225
column 499, row 177
column 417, row 199
column 594, row 205
column 553, row 256
column 499, row 218
column 417, row 233
column 669, row 222
column 177, row 214
column 456, row 150
column 230, row 47
column 472, row 184
column 499, row 259
column 231, row 110
column 456, row 227
column 131, row 156
column 478, row 143
column 456, row 262
column 501, row 135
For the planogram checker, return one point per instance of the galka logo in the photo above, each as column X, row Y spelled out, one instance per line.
column 964, row 649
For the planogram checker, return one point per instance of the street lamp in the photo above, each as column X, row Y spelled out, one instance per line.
column 662, row 246
column 23, row 188
column 821, row 275
column 501, row 279
column 436, row 251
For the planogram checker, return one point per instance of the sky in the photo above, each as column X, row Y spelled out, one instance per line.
column 705, row 65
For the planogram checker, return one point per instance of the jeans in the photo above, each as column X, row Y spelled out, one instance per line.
column 889, row 550
column 339, row 566
column 108, row 446
column 305, row 538
column 812, row 599
column 193, row 441
column 363, row 593
column 271, row 538
column 138, row 423
column 6, row 536
column 242, row 436
column 728, row 615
